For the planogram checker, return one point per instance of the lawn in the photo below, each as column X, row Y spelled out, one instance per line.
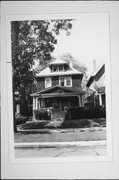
column 63, row 124
column 61, row 131
column 62, row 135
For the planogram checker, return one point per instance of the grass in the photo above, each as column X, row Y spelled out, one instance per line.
column 81, row 123
column 62, row 135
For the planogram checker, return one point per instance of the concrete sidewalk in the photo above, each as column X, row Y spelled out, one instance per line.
column 59, row 144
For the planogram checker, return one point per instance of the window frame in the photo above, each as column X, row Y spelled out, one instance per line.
column 46, row 82
column 65, row 80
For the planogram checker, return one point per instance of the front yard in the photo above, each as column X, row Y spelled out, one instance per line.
column 62, row 135
column 62, row 131
column 63, row 124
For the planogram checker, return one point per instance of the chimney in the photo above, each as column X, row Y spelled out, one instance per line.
column 94, row 65
column 71, row 64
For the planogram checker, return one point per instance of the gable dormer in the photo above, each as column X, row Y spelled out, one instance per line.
column 58, row 66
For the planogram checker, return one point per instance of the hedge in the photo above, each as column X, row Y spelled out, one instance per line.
column 83, row 113
column 42, row 114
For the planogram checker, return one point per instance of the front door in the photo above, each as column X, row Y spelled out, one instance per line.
column 56, row 104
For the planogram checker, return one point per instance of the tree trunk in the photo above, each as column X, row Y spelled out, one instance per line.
column 15, row 42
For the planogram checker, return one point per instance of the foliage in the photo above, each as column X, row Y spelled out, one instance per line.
column 31, row 41
column 41, row 115
column 76, row 63
column 96, row 112
column 21, row 120
column 78, row 66
column 76, row 112
column 83, row 113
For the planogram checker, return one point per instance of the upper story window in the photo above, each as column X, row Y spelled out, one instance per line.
column 68, row 81
column 65, row 81
column 48, row 82
column 62, row 81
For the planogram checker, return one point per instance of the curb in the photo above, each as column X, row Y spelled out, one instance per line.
column 54, row 129
column 59, row 144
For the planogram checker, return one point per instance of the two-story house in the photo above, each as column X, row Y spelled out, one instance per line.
column 58, row 85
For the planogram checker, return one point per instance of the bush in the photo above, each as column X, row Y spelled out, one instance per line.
column 74, row 113
column 83, row 113
column 97, row 112
column 41, row 114
column 20, row 120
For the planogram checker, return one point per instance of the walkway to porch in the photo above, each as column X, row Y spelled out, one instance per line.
column 59, row 115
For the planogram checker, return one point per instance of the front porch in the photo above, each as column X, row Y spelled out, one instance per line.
column 57, row 98
column 57, row 103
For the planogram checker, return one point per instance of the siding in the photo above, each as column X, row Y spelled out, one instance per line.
column 55, row 80
column 76, row 81
column 40, row 84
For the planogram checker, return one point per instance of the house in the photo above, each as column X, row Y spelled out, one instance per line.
column 96, row 85
column 58, row 86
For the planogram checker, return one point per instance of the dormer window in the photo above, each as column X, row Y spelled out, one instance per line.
column 57, row 68
column 61, row 68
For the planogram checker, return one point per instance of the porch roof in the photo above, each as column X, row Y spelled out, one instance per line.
column 58, row 91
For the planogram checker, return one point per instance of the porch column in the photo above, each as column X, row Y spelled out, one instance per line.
column 82, row 100
column 39, row 104
column 18, row 109
column 60, row 104
column 36, row 102
column 79, row 100
column 100, row 100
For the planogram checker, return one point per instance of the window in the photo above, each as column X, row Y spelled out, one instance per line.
column 48, row 82
column 62, row 81
column 68, row 81
column 57, row 68
column 65, row 81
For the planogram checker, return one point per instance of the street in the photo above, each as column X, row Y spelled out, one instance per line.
column 39, row 152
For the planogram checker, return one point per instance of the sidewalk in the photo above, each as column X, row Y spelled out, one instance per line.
column 59, row 144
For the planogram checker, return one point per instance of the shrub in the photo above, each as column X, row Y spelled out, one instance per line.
column 97, row 112
column 74, row 113
column 20, row 119
column 82, row 113
column 41, row 114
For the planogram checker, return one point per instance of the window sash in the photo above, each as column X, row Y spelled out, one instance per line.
column 65, row 81
column 48, row 82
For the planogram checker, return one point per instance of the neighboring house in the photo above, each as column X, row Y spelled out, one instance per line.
column 96, row 84
column 58, row 85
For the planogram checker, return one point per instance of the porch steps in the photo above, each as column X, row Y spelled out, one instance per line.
column 59, row 116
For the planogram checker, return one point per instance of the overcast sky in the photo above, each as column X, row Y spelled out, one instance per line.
column 89, row 39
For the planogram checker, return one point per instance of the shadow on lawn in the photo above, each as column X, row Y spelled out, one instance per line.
column 80, row 123
column 35, row 132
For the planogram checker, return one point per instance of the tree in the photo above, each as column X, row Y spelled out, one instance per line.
column 77, row 65
column 33, row 41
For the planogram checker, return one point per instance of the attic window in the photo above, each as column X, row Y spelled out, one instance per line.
column 57, row 68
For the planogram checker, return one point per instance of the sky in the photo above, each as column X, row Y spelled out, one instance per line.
column 88, row 41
